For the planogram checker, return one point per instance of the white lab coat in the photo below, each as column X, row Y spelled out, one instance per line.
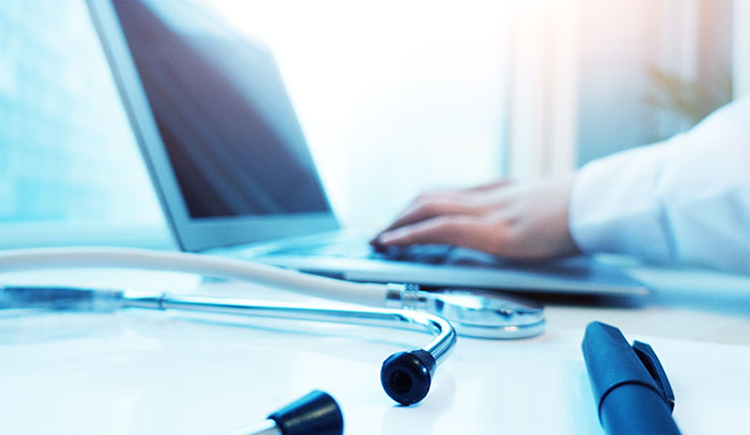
column 685, row 200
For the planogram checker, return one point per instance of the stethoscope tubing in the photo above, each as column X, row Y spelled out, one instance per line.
column 444, row 335
column 491, row 316
column 368, row 294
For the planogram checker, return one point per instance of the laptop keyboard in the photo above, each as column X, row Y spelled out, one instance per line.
column 431, row 254
column 358, row 248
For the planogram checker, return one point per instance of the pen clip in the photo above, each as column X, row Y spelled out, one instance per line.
column 651, row 362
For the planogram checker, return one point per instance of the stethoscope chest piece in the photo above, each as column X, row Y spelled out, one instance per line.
column 475, row 313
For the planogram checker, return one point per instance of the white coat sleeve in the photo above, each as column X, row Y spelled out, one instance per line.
column 685, row 200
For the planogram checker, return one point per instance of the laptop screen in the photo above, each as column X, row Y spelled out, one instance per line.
column 224, row 116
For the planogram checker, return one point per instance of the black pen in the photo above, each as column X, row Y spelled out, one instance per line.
column 631, row 389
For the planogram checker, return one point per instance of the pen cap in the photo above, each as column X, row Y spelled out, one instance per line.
column 611, row 362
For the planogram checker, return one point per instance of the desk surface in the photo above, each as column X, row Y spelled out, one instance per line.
column 688, row 305
column 147, row 372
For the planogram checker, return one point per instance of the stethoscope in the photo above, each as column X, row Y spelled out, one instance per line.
column 405, row 376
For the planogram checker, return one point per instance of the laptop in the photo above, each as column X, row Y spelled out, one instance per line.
column 234, row 174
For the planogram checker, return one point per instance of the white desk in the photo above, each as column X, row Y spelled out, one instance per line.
column 138, row 372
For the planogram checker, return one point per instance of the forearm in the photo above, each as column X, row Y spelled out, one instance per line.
column 685, row 200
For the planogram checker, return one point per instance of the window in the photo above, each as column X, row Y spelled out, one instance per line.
column 591, row 78
column 69, row 169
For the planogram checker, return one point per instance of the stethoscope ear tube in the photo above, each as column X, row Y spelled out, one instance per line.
column 406, row 376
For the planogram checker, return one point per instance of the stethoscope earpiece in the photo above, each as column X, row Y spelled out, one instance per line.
column 406, row 376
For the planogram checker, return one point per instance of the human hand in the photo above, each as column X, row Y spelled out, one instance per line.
column 512, row 220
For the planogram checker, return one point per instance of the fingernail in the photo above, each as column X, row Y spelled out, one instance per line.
column 387, row 238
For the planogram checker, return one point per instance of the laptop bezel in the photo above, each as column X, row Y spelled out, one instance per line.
column 189, row 233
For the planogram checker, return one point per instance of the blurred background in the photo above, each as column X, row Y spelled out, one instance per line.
column 394, row 96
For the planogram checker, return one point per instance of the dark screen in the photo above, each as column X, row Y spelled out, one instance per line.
column 224, row 116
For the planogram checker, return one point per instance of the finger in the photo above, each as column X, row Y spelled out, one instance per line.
column 466, row 231
column 471, row 201
column 431, row 207
column 460, row 192
column 420, row 210
column 460, row 201
column 490, row 186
